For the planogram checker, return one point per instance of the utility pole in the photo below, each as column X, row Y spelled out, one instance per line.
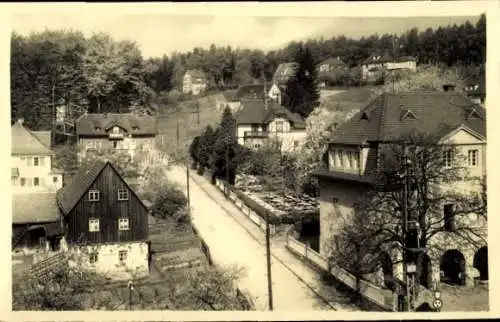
column 227, row 165
column 177, row 134
column 268, row 237
column 187, row 185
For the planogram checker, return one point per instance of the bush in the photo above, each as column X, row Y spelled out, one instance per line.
column 169, row 202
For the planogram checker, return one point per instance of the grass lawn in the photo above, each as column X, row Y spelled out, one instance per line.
column 464, row 299
column 188, row 123
column 350, row 99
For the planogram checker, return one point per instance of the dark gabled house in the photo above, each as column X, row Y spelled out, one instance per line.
column 102, row 211
column 476, row 89
column 256, row 123
column 121, row 132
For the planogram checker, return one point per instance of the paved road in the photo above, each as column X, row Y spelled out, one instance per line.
column 230, row 244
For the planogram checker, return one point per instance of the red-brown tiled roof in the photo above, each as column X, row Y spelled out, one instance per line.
column 87, row 124
column 436, row 113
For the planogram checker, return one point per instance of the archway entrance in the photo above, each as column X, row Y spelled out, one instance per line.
column 386, row 264
column 425, row 278
column 453, row 267
column 481, row 262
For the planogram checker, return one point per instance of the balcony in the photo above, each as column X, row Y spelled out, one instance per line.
column 256, row 134
column 115, row 136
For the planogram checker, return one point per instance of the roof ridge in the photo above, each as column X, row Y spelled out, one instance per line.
column 382, row 116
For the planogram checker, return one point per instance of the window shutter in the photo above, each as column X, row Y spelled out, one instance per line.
column 42, row 161
column 28, row 160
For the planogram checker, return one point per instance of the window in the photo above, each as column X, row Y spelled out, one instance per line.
column 122, row 256
column 23, row 182
column 472, row 158
column 350, row 157
column 54, row 179
column 93, row 225
column 115, row 144
column 116, row 130
column 296, row 143
column 122, row 194
column 340, row 157
column 448, row 158
column 448, row 217
column 255, row 128
column 335, row 200
column 93, row 257
column 36, row 181
column 36, row 162
column 94, row 195
column 123, row 224
column 13, row 181
column 256, row 145
column 279, row 126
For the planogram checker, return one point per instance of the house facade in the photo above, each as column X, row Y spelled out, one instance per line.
column 194, row 82
column 105, row 221
column 31, row 161
column 257, row 122
column 377, row 65
column 352, row 162
column 120, row 132
column 476, row 90
column 328, row 70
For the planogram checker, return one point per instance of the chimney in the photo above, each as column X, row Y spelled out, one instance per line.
column 20, row 121
column 448, row 87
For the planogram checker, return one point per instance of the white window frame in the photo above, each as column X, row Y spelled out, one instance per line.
column 282, row 126
column 94, row 225
column 116, row 130
column 123, row 224
column 473, row 158
column 36, row 161
column 448, row 158
column 94, row 195
column 122, row 256
column 120, row 195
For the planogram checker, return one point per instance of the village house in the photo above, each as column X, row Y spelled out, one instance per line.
column 282, row 75
column 105, row 221
column 476, row 90
column 328, row 70
column 36, row 222
column 233, row 98
column 352, row 164
column 378, row 65
column 31, row 161
column 194, row 82
column 120, row 132
column 256, row 123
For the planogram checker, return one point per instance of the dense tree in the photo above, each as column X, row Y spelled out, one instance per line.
column 302, row 94
column 225, row 148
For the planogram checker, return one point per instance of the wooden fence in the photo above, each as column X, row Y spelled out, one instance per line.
column 43, row 268
column 252, row 215
column 381, row 299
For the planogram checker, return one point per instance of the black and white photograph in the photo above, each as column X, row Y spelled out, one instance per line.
column 209, row 161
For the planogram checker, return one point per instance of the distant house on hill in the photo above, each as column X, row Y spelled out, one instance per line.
column 104, row 214
column 256, row 124
column 329, row 69
column 284, row 72
column 233, row 98
column 194, row 82
column 476, row 90
column 31, row 161
column 124, row 132
column 377, row 65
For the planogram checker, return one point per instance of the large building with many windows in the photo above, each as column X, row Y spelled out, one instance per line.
column 352, row 165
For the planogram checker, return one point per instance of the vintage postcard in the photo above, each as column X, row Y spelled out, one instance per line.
column 260, row 161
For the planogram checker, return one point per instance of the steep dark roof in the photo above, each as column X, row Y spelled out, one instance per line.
column 29, row 208
column 333, row 62
column 25, row 142
column 373, row 59
column 254, row 112
column 68, row 196
column 383, row 120
column 255, row 91
column 87, row 124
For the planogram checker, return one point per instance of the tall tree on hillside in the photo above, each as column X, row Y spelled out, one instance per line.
column 302, row 94
column 225, row 147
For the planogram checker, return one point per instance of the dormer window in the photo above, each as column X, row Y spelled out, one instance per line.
column 364, row 116
column 97, row 129
column 408, row 115
column 473, row 114
column 135, row 128
column 116, row 130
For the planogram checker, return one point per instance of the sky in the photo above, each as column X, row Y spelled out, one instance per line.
column 159, row 34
